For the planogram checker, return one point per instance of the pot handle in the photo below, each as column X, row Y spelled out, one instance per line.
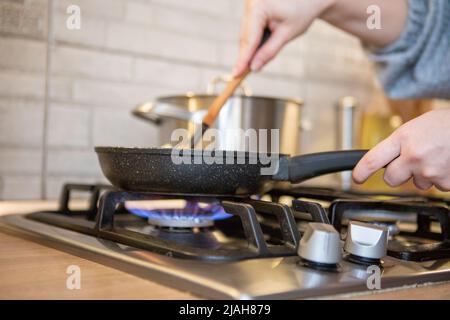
column 212, row 84
column 157, row 112
column 316, row 164
column 143, row 111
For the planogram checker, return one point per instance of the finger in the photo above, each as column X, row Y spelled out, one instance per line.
column 382, row 154
column 422, row 183
column 239, row 65
column 250, row 40
column 270, row 49
column 397, row 172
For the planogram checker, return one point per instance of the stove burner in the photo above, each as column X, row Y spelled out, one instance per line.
column 187, row 223
column 363, row 261
column 327, row 267
column 178, row 213
column 430, row 245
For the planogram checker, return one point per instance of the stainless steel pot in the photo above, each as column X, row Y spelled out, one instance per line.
column 242, row 111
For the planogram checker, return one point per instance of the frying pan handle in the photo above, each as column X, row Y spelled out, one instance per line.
column 312, row 165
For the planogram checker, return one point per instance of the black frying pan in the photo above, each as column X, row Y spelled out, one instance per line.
column 136, row 169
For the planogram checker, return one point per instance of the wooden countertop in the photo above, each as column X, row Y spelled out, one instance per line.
column 30, row 270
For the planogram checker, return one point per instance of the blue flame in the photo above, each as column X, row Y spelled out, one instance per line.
column 192, row 211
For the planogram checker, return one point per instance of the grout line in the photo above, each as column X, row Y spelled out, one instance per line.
column 44, row 168
column 138, row 54
column 14, row 36
column 16, row 147
column 273, row 75
column 161, row 58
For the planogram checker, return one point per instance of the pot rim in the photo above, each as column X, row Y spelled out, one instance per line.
column 189, row 95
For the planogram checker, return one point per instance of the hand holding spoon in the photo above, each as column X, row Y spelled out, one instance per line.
column 218, row 103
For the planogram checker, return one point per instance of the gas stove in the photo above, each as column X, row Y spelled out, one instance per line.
column 288, row 243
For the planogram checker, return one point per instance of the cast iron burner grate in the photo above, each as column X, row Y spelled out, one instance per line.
column 423, row 244
column 245, row 209
column 428, row 245
column 256, row 229
column 247, row 236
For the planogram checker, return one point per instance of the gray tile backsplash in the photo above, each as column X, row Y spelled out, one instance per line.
column 64, row 91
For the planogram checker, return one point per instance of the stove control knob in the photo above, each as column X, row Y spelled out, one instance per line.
column 320, row 244
column 366, row 241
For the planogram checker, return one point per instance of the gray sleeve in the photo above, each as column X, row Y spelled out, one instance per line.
column 417, row 65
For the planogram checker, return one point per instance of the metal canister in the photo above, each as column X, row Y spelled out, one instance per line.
column 346, row 128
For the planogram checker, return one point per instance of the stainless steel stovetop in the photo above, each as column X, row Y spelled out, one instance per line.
column 277, row 274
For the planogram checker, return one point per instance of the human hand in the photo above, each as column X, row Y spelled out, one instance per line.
column 419, row 149
column 286, row 19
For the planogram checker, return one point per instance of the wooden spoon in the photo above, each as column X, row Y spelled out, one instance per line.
column 218, row 103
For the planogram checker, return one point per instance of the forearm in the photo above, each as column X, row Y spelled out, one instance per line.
column 351, row 16
column 289, row 19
